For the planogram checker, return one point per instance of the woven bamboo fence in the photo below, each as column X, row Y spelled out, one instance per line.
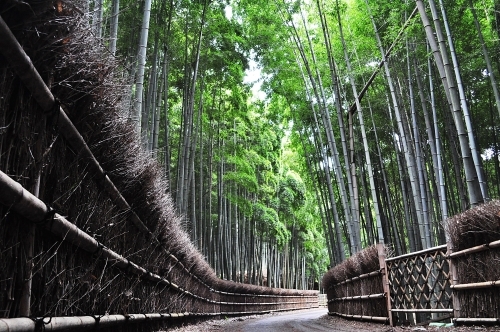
column 88, row 237
column 420, row 285
column 459, row 280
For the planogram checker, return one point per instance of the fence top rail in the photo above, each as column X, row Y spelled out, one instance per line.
column 422, row 310
column 472, row 250
column 359, row 297
column 361, row 276
column 267, row 295
column 417, row 253
column 477, row 285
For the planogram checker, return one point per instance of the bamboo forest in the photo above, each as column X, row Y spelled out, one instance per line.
column 293, row 134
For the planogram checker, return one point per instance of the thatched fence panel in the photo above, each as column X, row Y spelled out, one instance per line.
column 474, row 252
column 476, row 287
column 26, row 205
column 356, row 287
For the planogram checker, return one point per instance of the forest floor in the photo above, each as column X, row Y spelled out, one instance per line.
column 311, row 320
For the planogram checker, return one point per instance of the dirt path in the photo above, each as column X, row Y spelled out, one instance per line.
column 304, row 320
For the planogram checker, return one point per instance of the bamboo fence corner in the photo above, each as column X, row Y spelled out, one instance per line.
column 385, row 280
column 453, row 281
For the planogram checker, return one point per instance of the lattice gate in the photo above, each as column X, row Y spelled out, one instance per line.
column 419, row 285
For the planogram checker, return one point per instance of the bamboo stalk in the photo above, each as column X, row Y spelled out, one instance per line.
column 360, row 317
column 352, row 109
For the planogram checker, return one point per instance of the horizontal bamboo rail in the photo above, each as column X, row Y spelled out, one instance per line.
column 84, row 323
column 360, row 317
column 263, row 303
column 422, row 310
column 416, row 253
column 476, row 285
column 477, row 320
column 361, row 276
column 358, row 297
column 468, row 251
column 259, row 295
column 234, row 313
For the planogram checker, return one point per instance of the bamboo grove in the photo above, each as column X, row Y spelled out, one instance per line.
column 368, row 122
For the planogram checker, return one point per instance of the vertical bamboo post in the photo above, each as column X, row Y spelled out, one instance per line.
column 385, row 279
column 29, row 240
column 28, row 243
column 453, row 281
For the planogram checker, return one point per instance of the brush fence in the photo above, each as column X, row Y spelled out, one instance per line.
column 361, row 297
column 65, row 278
column 475, row 283
column 432, row 284
column 217, row 303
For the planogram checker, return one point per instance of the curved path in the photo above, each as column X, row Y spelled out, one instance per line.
column 303, row 320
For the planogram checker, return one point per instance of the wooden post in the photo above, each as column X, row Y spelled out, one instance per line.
column 453, row 281
column 385, row 279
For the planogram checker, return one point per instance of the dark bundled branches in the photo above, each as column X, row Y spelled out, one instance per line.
column 477, row 226
column 362, row 262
